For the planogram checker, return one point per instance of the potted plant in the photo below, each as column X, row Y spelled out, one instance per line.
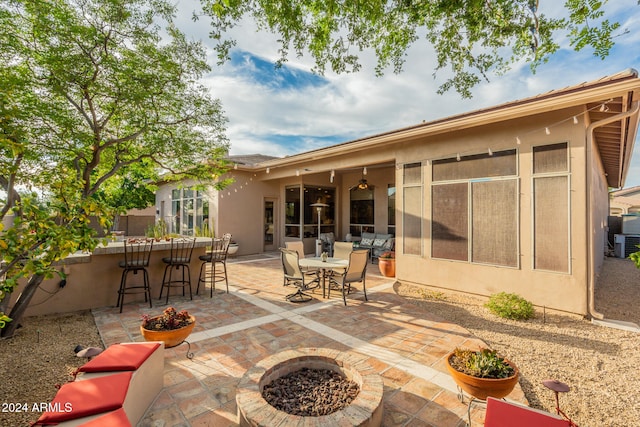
column 171, row 326
column 482, row 373
column 233, row 248
column 387, row 264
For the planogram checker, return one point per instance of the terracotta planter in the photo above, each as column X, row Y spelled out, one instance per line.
column 481, row 388
column 171, row 337
column 387, row 267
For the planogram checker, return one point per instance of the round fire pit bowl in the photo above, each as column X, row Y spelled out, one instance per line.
column 365, row 410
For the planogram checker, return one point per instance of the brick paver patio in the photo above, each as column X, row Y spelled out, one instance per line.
column 402, row 341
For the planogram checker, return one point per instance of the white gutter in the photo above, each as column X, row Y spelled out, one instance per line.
column 590, row 268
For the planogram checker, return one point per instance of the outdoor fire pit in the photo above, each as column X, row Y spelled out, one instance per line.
column 309, row 364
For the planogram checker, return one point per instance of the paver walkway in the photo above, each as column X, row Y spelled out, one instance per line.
column 404, row 343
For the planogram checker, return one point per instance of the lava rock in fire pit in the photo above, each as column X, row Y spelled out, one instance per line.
column 311, row 392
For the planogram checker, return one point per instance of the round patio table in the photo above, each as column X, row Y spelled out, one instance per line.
column 323, row 266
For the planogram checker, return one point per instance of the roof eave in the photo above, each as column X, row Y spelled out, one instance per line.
column 556, row 100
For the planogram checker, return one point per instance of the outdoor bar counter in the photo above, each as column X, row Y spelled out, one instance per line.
column 93, row 279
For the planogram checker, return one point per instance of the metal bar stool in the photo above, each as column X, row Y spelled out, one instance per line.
column 136, row 258
column 180, row 257
column 217, row 259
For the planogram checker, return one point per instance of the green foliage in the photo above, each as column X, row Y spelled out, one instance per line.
column 432, row 295
column 510, row 306
column 3, row 320
column 388, row 255
column 204, row 231
column 484, row 363
column 95, row 99
column 471, row 39
column 158, row 230
column 635, row 257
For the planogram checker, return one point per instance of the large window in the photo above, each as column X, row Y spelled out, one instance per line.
column 292, row 212
column 301, row 219
column 551, row 208
column 475, row 209
column 361, row 211
column 412, row 209
column 189, row 210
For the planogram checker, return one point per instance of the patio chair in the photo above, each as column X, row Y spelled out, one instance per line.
column 298, row 246
column 356, row 272
column 341, row 250
column 294, row 275
column 136, row 258
column 180, row 257
column 217, row 260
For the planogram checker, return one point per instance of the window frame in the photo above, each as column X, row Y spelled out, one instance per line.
column 469, row 181
column 412, row 185
column 534, row 176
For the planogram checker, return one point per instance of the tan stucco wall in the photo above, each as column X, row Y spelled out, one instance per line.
column 560, row 291
column 237, row 209
column 241, row 211
column 94, row 283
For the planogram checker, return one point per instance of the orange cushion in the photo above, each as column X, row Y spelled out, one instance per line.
column 110, row 419
column 88, row 397
column 504, row 414
column 120, row 357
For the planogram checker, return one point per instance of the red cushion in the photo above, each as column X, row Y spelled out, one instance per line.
column 504, row 414
column 110, row 419
column 120, row 357
column 88, row 397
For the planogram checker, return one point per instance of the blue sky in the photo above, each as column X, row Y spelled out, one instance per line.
column 282, row 111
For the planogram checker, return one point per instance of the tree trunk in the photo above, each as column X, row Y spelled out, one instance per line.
column 21, row 305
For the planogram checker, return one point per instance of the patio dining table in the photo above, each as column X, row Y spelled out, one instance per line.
column 324, row 266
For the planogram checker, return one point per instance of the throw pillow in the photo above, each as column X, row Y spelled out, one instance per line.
column 366, row 242
column 379, row 242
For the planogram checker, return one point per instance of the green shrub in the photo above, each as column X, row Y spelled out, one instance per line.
column 510, row 306
column 483, row 363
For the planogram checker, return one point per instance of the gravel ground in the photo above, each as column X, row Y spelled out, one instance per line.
column 599, row 364
column 39, row 357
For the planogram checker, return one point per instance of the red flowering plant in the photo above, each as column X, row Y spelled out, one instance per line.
column 388, row 255
column 170, row 319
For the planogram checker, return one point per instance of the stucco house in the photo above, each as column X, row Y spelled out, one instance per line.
column 625, row 201
column 509, row 198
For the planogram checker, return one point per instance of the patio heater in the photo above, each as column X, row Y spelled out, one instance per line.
column 319, row 207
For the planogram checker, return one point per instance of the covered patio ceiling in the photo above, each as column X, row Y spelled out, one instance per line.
column 614, row 145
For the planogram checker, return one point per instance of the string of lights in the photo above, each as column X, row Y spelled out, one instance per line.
column 519, row 138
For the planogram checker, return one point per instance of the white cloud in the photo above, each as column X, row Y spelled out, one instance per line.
column 361, row 104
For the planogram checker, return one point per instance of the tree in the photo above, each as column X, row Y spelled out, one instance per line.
column 93, row 93
column 470, row 37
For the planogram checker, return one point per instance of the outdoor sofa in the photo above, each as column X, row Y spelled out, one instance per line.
column 377, row 243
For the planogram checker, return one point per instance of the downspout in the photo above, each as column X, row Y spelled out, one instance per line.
column 590, row 267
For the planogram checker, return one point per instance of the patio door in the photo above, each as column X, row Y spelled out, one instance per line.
column 270, row 237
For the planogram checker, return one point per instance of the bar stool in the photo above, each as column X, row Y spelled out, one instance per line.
column 217, row 256
column 136, row 258
column 179, row 258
